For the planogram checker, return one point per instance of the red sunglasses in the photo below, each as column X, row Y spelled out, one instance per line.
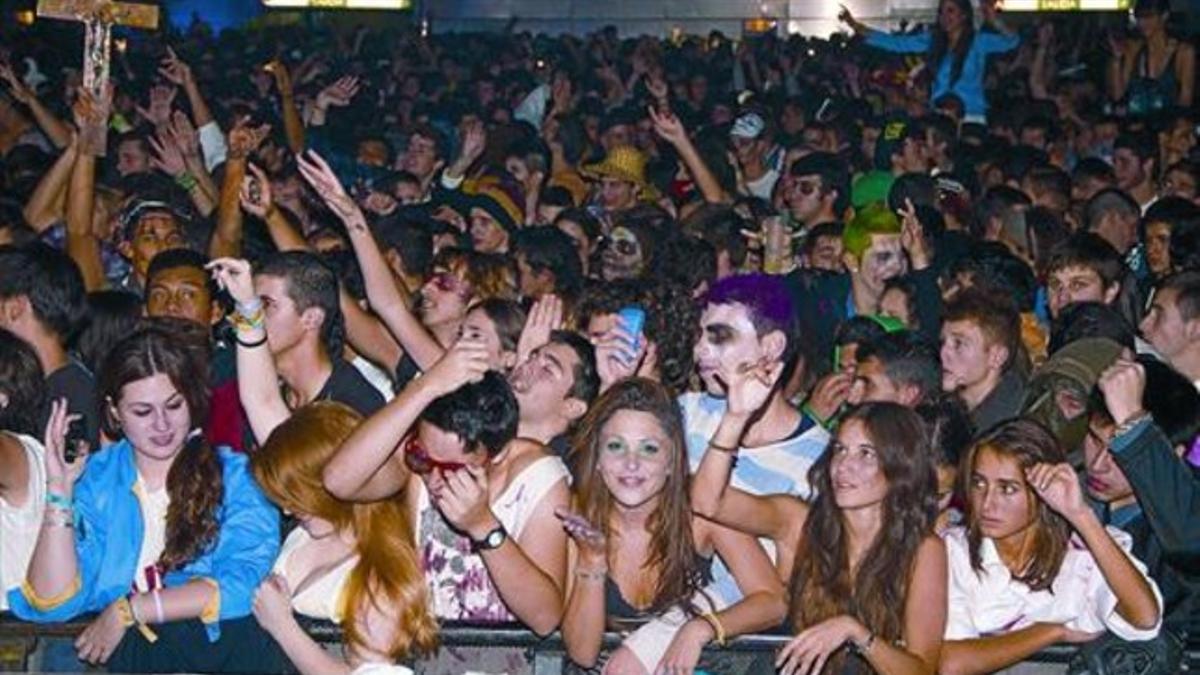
column 417, row 459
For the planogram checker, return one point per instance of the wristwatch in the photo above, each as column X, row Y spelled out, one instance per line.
column 490, row 541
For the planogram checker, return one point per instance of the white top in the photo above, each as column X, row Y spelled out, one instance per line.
column 764, row 185
column 321, row 598
column 154, row 536
column 458, row 580
column 991, row 603
column 19, row 525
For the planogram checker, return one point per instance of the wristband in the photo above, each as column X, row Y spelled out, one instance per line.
column 158, row 609
column 250, row 307
column 125, row 612
column 865, row 646
column 722, row 448
column 591, row 575
column 186, row 181
column 250, row 345
column 815, row 417
column 1128, row 425
column 59, row 501
column 713, row 621
column 133, row 609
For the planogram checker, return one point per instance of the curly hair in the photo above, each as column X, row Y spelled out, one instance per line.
column 388, row 573
column 672, row 320
column 822, row 584
column 672, row 559
column 22, row 385
column 195, row 480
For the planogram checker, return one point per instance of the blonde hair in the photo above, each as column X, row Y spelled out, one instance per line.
column 388, row 573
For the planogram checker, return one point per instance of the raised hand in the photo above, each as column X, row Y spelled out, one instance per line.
column 462, row 497
column 244, row 139
column 616, row 355
column 166, row 155
column 1058, row 486
column 589, row 539
column 545, row 317
column 255, row 195
column 59, row 472
column 91, row 115
column 912, row 236
column 339, row 94
column 174, row 70
column 465, row 362
column 322, row 178
column 183, row 133
column 273, row 604
column 234, row 276
column 668, row 127
column 474, row 140
column 283, row 78
column 16, row 87
column 158, row 113
column 748, row 386
column 1123, row 385
column 829, row 394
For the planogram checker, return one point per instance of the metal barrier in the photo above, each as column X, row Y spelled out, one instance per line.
column 20, row 641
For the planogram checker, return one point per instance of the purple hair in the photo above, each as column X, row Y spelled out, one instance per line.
column 765, row 297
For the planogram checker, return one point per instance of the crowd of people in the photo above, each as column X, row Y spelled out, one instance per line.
column 888, row 342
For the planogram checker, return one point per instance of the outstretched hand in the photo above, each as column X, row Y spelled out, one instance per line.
column 255, row 195
column 668, row 127
column 321, row 177
column 233, row 275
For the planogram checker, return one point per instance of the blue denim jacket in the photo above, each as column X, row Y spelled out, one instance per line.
column 108, row 540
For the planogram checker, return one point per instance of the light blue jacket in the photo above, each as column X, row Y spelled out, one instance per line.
column 108, row 540
column 969, row 86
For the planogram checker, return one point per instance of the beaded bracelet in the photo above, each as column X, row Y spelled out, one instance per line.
column 186, row 181
column 56, row 500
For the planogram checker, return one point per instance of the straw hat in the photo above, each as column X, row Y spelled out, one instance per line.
column 626, row 163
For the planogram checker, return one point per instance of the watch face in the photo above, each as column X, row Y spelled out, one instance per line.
column 494, row 538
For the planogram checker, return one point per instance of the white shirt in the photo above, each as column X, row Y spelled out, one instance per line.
column 20, row 525
column 154, row 535
column 991, row 602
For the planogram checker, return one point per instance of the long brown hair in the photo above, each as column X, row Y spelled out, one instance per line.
column 388, row 573
column 1029, row 443
column 195, row 479
column 672, row 558
column 822, row 585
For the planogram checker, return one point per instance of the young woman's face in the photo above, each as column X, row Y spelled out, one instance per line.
column 154, row 416
column 444, row 298
column 855, row 469
column 950, row 16
column 1002, row 503
column 477, row 325
column 635, row 457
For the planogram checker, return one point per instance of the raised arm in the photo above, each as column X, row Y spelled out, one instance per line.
column 1137, row 602
column 776, row 516
column 367, row 466
column 46, row 204
column 670, row 129
column 293, row 126
column 382, row 292
column 257, row 377
column 227, row 237
column 58, row 131
column 91, row 115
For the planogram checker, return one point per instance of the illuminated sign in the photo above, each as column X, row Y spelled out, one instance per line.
column 338, row 4
column 1065, row 5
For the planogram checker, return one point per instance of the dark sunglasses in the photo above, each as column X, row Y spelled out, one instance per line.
column 417, row 459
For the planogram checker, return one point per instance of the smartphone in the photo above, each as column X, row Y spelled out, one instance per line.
column 76, row 442
column 633, row 319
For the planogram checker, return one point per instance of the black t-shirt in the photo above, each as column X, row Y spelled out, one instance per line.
column 347, row 385
column 76, row 384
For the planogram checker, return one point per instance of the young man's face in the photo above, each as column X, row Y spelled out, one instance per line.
column 1179, row 183
column 912, row 157
column 1106, row 483
column 872, row 384
column 1164, row 327
column 727, row 340
column 1158, row 248
column 966, row 355
column 284, row 323
column 1128, row 168
column 487, row 235
column 182, row 292
column 1076, row 284
column 420, row 159
column 827, row 254
column 883, row 260
column 132, row 158
column 806, row 198
column 617, row 194
column 154, row 233
column 543, row 382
